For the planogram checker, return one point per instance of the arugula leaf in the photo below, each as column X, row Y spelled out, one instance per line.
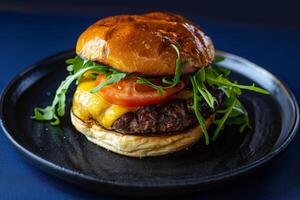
column 239, row 116
column 201, row 75
column 233, row 113
column 222, row 121
column 223, row 71
column 58, row 105
column 43, row 113
column 199, row 117
column 178, row 70
column 75, row 64
column 218, row 59
column 77, row 67
column 144, row 81
column 208, row 97
column 241, row 120
column 105, row 70
column 176, row 79
column 204, row 92
column 61, row 103
column 221, row 81
column 112, row 78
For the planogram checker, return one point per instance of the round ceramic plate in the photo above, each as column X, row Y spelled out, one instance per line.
column 65, row 153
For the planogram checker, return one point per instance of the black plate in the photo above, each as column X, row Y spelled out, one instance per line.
column 65, row 153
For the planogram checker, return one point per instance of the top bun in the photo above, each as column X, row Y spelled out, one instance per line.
column 142, row 43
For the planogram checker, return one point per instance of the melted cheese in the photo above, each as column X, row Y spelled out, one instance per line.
column 88, row 105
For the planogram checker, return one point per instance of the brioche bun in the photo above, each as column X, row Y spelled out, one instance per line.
column 138, row 145
column 142, row 43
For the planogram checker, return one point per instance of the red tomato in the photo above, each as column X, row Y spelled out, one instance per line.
column 129, row 93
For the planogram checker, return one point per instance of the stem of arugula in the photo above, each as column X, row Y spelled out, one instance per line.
column 199, row 117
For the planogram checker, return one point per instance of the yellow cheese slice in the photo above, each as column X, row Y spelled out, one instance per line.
column 91, row 105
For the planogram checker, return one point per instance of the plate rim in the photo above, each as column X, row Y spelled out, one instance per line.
column 42, row 163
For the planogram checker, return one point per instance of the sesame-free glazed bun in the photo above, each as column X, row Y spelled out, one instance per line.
column 138, row 145
column 142, row 43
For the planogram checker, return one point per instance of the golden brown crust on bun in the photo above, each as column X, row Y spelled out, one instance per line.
column 138, row 145
column 142, row 43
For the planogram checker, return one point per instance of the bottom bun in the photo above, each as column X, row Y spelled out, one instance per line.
column 138, row 145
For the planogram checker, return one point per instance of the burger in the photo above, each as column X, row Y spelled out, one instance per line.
column 147, row 85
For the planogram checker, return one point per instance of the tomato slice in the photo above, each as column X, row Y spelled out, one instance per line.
column 131, row 94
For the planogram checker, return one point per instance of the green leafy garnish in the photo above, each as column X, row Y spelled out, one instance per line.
column 46, row 114
column 196, row 110
column 171, row 83
column 220, row 70
column 77, row 67
column 57, row 108
column 218, row 59
column 175, row 80
column 222, row 121
column 144, row 81
column 112, row 78
column 214, row 78
column 208, row 97
column 233, row 113
column 178, row 70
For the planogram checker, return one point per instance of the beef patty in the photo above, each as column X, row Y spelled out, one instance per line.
column 175, row 115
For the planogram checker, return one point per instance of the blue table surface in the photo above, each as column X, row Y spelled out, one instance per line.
column 26, row 38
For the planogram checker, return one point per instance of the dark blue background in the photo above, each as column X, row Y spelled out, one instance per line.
column 265, row 33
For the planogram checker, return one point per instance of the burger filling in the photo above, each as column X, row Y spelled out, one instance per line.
column 173, row 115
column 135, row 104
